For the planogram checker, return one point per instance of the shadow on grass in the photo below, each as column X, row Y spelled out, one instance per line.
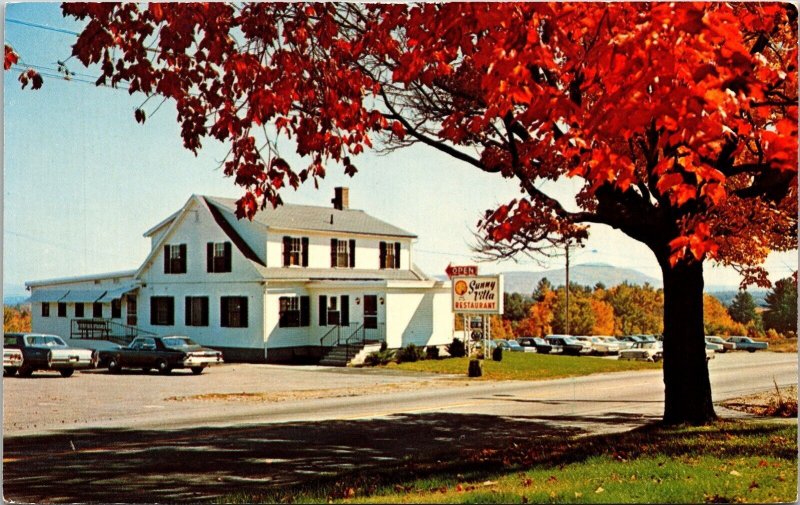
column 275, row 462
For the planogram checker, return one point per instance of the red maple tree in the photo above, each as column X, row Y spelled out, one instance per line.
column 679, row 119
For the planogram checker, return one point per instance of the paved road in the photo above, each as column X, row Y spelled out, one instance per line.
column 222, row 447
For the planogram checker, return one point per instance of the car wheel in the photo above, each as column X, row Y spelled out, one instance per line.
column 25, row 371
column 197, row 370
column 67, row 372
column 146, row 369
column 751, row 350
column 162, row 366
column 113, row 365
column 9, row 371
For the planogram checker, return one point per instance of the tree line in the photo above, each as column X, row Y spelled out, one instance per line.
column 628, row 309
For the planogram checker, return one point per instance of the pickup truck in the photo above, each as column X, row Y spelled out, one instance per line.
column 747, row 344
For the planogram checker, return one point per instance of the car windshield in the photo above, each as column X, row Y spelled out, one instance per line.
column 178, row 342
column 649, row 345
column 570, row 340
column 45, row 341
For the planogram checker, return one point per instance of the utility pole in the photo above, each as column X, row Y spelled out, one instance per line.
column 566, row 318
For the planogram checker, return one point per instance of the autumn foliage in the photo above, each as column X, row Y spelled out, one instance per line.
column 677, row 122
column 16, row 319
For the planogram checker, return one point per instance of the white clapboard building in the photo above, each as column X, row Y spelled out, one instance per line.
column 292, row 284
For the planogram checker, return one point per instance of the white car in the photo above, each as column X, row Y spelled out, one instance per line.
column 600, row 345
column 12, row 360
column 644, row 351
column 623, row 344
column 726, row 346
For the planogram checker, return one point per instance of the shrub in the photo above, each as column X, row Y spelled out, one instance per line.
column 771, row 333
column 432, row 352
column 382, row 357
column 410, row 353
column 457, row 349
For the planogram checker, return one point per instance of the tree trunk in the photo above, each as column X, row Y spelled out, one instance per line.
column 687, row 386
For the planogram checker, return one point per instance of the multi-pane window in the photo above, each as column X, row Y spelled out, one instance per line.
column 62, row 309
column 175, row 259
column 343, row 253
column 332, row 312
column 79, row 309
column 130, row 302
column 116, row 308
column 162, row 310
column 97, row 310
column 295, row 251
column 218, row 257
column 196, row 311
column 46, row 309
column 390, row 254
column 293, row 311
column 233, row 311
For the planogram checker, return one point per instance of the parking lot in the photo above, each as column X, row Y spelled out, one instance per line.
column 98, row 398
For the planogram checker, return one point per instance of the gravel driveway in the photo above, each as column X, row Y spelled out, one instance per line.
column 48, row 401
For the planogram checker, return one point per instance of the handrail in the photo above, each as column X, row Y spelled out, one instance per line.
column 337, row 329
column 352, row 336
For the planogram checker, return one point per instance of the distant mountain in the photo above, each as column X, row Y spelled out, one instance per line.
column 726, row 295
column 15, row 299
column 587, row 274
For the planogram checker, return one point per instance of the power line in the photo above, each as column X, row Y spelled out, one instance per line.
column 41, row 27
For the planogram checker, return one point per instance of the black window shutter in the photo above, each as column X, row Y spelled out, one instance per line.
column 182, row 252
column 305, row 311
column 286, row 245
column 345, row 317
column 334, row 246
column 243, row 314
column 188, row 311
column 204, row 313
column 171, row 310
column 167, row 263
column 223, row 311
column 383, row 254
column 305, row 252
column 323, row 310
column 228, row 256
column 210, row 257
column 153, row 309
column 352, row 253
column 397, row 254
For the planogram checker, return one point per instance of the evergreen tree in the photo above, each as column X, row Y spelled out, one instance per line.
column 743, row 308
column 781, row 314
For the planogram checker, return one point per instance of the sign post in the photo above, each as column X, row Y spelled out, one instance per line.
column 479, row 295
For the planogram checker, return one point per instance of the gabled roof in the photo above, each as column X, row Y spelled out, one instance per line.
column 307, row 217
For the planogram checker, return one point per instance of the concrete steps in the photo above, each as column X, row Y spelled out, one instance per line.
column 337, row 356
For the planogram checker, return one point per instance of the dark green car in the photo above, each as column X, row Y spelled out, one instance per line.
column 161, row 353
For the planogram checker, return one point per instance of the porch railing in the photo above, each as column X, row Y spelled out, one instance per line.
column 105, row 329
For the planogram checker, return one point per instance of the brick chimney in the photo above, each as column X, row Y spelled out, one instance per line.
column 341, row 198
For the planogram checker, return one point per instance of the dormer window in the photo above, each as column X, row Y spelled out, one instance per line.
column 175, row 259
column 295, row 251
column 343, row 253
column 218, row 257
column 390, row 254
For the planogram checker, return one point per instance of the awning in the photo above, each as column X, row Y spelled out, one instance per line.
column 83, row 295
column 113, row 294
column 47, row 295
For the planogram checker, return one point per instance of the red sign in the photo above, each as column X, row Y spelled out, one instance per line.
column 454, row 271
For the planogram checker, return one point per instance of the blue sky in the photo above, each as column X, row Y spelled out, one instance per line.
column 83, row 181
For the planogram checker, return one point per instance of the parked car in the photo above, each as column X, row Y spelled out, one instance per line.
column 569, row 345
column 633, row 339
column 162, row 353
column 747, row 343
column 511, row 345
column 46, row 352
column 726, row 346
column 600, row 346
column 539, row 344
column 12, row 360
column 644, row 351
column 712, row 349
column 622, row 344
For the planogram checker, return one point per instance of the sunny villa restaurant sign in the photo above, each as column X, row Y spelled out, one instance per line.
column 481, row 294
